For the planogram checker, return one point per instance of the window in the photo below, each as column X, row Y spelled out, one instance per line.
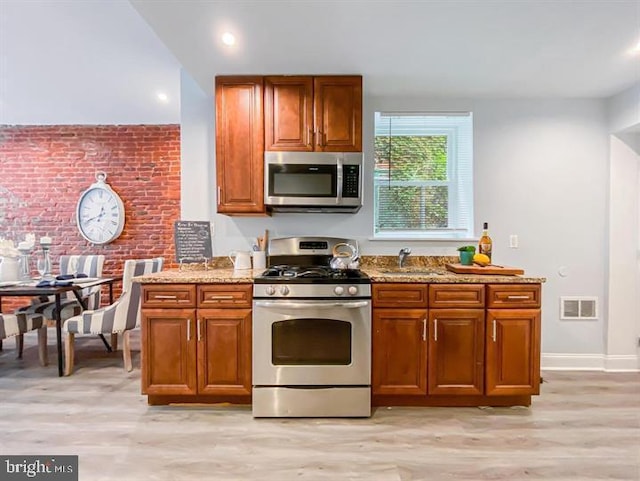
column 423, row 179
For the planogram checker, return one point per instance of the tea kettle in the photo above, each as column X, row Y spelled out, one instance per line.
column 345, row 256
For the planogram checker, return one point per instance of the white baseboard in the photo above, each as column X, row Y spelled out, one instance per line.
column 590, row 362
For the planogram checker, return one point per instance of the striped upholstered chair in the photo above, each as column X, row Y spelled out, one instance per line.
column 15, row 325
column 120, row 317
column 91, row 265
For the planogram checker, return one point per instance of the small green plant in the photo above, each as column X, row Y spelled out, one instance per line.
column 467, row 249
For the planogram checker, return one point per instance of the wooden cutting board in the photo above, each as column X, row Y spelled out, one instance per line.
column 491, row 270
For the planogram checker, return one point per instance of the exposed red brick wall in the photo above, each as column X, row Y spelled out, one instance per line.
column 44, row 169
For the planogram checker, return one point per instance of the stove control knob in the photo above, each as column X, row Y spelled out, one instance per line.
column 353, row 290
column 339, row 290
column 284, row 290
column 270, row 290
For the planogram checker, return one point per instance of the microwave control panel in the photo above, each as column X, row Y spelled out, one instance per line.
column 351, row 181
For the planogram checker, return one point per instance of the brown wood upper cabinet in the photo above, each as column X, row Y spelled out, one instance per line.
column 305, row 114
column 240, row 145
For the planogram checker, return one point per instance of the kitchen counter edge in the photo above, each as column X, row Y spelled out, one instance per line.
column 230, row 276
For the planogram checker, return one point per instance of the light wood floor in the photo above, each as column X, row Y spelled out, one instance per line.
column 584, row 426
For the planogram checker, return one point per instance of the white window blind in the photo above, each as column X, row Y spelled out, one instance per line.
column 423, row 177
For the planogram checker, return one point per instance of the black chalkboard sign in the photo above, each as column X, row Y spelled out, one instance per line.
column 193, row 241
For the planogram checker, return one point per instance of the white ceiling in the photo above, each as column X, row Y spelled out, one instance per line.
column 83, row 62
column 99, row 61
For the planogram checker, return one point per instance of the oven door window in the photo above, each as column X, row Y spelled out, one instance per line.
column 300, row 180
column 304, row 342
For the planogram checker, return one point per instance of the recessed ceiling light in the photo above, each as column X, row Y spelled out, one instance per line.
column 162, row 97
column 228, row 39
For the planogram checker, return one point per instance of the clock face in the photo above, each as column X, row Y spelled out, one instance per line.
column 100, row 215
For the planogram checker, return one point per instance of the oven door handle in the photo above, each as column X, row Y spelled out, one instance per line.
column 315, row 305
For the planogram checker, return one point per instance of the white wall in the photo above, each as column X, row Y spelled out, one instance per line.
column 623, row 320
column 624, row 109
column 623, row 308
column 540, row 172
column 196, row 150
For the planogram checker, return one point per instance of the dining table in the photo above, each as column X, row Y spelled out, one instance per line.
column 29, row 289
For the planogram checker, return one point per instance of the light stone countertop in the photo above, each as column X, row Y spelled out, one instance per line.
column 442, row 276
column 202, row 276
column 418, row 273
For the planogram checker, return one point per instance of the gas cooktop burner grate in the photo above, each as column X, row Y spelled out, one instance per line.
column 311, row 272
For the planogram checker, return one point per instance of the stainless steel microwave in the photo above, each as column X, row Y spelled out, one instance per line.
column 313, row 181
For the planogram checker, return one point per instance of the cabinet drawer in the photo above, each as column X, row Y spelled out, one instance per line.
column 399, row 295
column 168, row 295
column 465, row 296
column 225, row 295
column 513, row 295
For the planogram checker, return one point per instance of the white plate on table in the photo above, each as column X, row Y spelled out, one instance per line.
column 9, row 283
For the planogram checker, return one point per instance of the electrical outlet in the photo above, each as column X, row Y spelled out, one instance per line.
column 513, row 241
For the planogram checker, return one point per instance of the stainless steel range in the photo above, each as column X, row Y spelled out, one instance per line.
column 311, row 333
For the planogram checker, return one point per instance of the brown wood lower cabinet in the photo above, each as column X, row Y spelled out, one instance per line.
column 513, row 351
column 456, row 351
column 399, row 351
column 432, row 344
column 196, row 354
column 467, row 345
column 168, row 351
column 224, row 342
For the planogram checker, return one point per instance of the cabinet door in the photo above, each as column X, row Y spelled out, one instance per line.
column 399, row 351
column 168, row 351
column 288, row 113
column 513, row 352
column 338, row 113
column 224, row 351
column 239, row 145
column 456, row 351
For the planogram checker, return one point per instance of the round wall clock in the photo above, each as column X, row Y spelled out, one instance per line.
column 100, row 212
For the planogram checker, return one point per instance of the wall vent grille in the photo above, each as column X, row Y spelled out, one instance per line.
column 578, row 308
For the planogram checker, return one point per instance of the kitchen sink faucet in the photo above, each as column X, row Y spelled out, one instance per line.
column 404, row 252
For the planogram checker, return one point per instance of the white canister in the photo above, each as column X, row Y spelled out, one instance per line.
column 9, row 269
column 259, row 260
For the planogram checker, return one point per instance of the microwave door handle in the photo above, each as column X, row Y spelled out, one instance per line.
column 339, row 181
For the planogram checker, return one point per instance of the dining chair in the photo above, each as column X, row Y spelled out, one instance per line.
column 15, row 325
column 91, row 266
column 118, row 318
